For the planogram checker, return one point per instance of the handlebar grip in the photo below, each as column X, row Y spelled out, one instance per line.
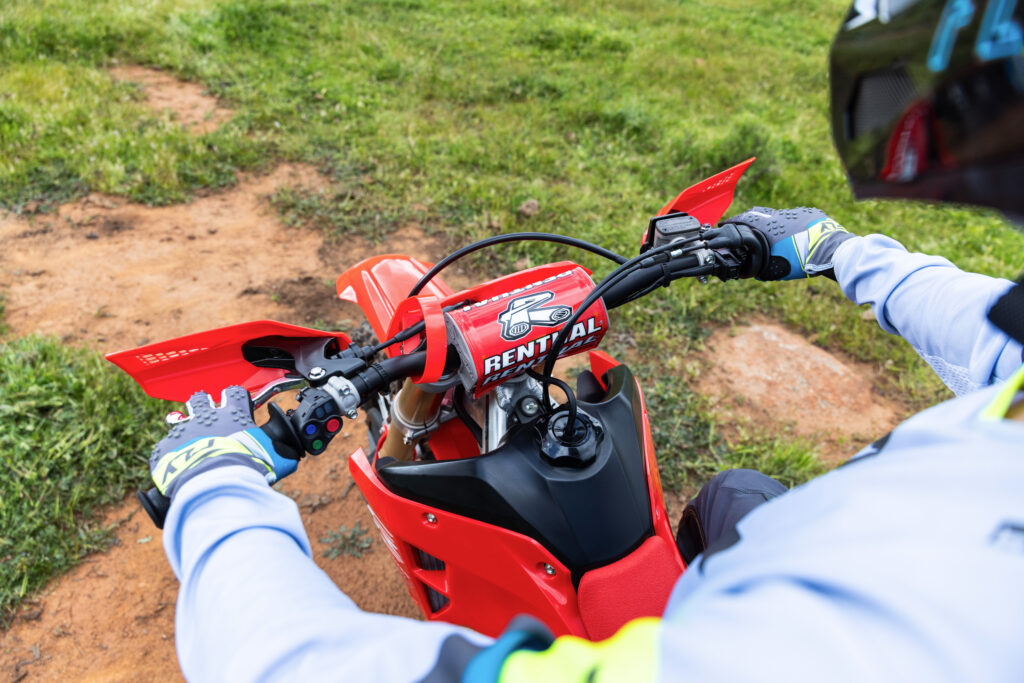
column 281, row 432
column 155, row 504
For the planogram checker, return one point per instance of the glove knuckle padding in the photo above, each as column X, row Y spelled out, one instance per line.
column 801, row 240
column 210, row 423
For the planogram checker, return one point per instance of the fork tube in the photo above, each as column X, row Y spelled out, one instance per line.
column 413, row 410
column 495, row 423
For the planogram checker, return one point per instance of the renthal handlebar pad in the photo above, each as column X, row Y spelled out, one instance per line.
column 504, row 335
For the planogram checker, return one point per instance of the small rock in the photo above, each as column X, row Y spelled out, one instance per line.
column 92, row 236
column 529, row 208
column 868, row 315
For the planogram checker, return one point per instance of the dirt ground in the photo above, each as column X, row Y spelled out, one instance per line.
column 185, row 102
column 762, row 374
column 112, row 275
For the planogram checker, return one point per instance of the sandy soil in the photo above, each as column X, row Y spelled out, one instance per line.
column 114, row 275
column 763, row 376
column 187, row 103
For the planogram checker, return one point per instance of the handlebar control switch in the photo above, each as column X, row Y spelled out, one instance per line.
column 317, row 419
column 576, row 449
column 670, row 228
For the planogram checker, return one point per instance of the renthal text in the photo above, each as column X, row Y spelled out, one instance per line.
column 522, row 356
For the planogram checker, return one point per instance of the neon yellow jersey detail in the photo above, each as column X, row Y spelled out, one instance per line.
column 176, row 462
column 630, row 655
column 1000, row 405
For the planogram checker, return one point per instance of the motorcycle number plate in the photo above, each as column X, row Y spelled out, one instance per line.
column 504, row 335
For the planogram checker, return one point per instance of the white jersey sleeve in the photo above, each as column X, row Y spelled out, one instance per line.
column 254, row 606
column 938, row 308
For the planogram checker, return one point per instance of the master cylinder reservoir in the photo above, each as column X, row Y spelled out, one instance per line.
column 506, row 334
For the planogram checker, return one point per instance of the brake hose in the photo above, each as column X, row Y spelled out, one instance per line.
column 514, row 237
column 610, row 280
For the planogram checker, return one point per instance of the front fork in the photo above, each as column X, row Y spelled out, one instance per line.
column 415, row 413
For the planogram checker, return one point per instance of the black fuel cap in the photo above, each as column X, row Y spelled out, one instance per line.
column 577, row 447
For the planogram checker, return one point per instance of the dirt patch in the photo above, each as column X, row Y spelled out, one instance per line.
column 112, row 617
column 764, row 376
column 116, row 275
column 186, row 102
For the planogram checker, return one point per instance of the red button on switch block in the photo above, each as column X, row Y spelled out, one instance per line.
column 333, row 425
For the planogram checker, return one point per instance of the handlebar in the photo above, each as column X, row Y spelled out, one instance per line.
column 728, row 252
column 311, row 426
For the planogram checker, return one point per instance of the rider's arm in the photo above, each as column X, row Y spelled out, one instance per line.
column 254, row 606
column 938, row 308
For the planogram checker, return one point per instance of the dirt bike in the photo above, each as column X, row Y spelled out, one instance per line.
column 494, row 499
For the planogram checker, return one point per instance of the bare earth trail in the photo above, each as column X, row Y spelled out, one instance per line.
column 113, row 275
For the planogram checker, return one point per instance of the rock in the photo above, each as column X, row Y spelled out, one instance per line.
column 529, row 208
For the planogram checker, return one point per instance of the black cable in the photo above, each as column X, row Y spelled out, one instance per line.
column 595, row 294
column 459, row 403
column 570, row 399
column 409, row 332
column 514, row 237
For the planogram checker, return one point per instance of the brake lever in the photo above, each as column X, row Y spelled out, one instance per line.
column 740, row 251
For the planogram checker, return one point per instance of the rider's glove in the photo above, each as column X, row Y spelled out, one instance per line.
column 215, row 436
column 801, row 241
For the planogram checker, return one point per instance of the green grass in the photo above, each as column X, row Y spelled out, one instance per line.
column 74, row 435
column 344, row 541
column 600, row 111
column 452, row 114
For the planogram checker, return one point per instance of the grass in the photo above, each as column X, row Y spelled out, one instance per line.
column 344, row 541
column 74, row 435
column 451, row 114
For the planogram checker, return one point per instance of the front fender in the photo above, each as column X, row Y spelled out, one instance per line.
column 379, row 284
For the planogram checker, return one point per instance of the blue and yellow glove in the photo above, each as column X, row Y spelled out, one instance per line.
column 212, row 436
column 801, row 241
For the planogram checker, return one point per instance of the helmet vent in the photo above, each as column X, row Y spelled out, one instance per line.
column 879, row 98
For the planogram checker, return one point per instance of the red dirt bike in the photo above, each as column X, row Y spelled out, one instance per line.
column 493, row 499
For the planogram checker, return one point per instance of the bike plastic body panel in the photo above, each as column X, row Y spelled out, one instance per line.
column 379, row 284
column 461, row 564
column 492, row 573
column 708, row 200
column 209, row 361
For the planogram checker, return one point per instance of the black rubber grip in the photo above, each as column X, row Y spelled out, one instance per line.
column 155, row 504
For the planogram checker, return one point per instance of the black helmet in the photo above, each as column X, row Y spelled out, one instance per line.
column 928, row 100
